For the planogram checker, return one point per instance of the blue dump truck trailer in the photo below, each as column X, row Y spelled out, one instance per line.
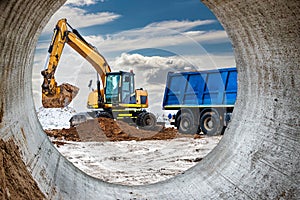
column 204, row 100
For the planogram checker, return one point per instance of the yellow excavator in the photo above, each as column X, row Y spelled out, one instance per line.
column 117, row 98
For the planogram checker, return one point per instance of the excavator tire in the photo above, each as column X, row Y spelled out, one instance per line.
column 62, row 99
column 146, row 120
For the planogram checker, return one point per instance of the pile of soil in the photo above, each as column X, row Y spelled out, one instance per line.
column 15, row 180
column 64, row 134
column 122, row 131
column 106, row 129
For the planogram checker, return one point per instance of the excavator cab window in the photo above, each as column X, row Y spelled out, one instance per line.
column 119, row 87
column 127, row 87
column 112, row 88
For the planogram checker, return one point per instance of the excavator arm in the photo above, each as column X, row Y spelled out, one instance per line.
column 54, row 96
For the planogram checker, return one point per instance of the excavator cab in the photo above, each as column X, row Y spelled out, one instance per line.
column 119, row 88
column 119, row 91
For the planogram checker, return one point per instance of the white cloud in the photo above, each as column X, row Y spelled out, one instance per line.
column 177, row 62
column 82, row 2
column 181, row 25
column 151, row 63
column 154, row 69
column 166, row 27
column 168, row 35
column 80, row 18
column 207, row 36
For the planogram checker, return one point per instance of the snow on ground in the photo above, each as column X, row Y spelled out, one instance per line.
column 137, row 162
column 55, row 118
column 128, row 162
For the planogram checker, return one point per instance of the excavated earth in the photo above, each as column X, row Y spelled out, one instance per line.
column 63, row 99
column 105, row 129
column 15, row 181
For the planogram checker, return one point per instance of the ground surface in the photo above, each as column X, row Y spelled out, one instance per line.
column 116, row 152
column 137, row 162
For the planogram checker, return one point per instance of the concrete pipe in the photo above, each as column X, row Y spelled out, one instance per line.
column 258, row 157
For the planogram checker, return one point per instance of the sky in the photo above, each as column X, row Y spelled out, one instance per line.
column 149, row 37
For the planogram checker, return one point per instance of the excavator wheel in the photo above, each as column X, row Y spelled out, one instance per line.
column 146, row 120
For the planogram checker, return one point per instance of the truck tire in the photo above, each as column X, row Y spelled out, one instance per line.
column 210, row 123
column 186, row 123
column 146, row 121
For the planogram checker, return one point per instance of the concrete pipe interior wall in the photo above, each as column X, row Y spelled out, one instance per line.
column 258, row 157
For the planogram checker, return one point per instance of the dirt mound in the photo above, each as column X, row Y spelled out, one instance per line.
column 120, row 131
column 70, row 134
column 15, row 181
column 91, row 131
column 63, row 98
column 105, row 129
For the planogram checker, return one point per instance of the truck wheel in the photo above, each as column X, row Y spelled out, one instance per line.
column 146, row 120
column 210, row 123
column 186, row 124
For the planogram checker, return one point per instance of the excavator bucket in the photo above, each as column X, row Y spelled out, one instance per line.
column 65, row 93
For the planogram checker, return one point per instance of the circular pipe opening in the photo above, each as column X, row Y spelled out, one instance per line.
column 257, row 158
column 151, row 66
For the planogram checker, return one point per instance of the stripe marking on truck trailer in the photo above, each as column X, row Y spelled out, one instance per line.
column 198, row 106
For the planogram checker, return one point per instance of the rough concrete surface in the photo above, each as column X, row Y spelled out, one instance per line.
column 258, row 157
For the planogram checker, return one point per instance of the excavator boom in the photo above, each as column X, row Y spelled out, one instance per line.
column 54, row 96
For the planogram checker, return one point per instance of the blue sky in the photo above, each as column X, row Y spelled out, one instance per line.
column 150, row 37
column 139, row 13
column 134, row 14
